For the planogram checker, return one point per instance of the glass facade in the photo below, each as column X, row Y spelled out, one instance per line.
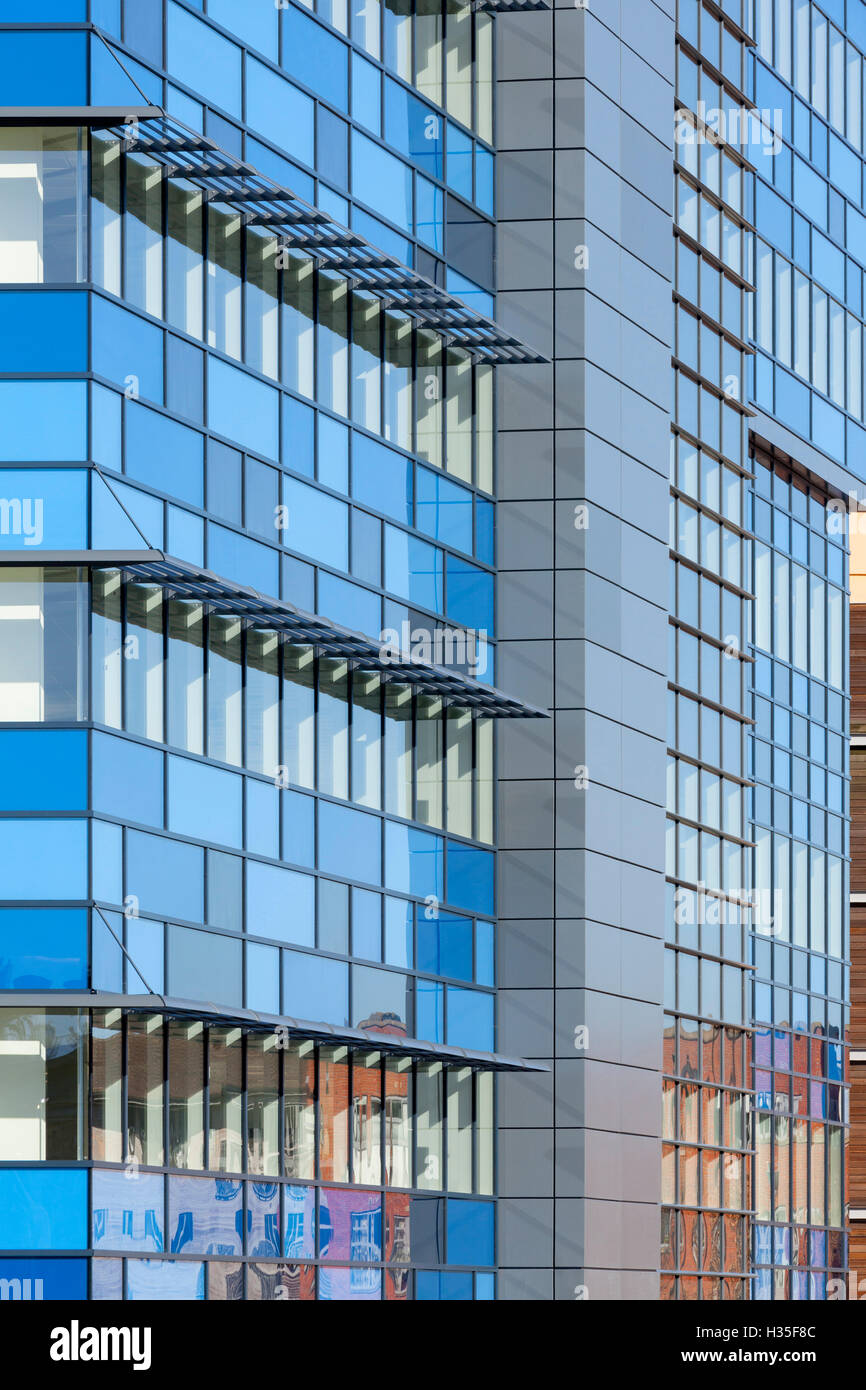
column 252, row 871
column 758, row 790
column 261, row 827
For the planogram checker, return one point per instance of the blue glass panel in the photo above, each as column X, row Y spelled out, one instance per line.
column 413, row 569
column 470, row 878
column 298, row 828
column 315, row 57
column 333, row 457
column 484, row 953
column 107, row 854
column 366, row 94
column 281, row 170
column 255, row 22
column 145, row 944
column 127, row 779
column 479, row 300
column 399, row 927
column 242, row 559
column 43, row 860
column 381, row 181
column 350, row 1225
column 107, row 960
column 43, row 949
column 485, row 520
column 205, row 1216
column 444, row 510
column 298, row 433
column 315, row 988
column 485, row 1287
column 350, row 843
column 164, row 454
column 280, row 904
column 186, row 535
column 317, row 524
column 43, row 69
column 127, row 350
column 263, row 1219
column 381, row 1000
column 275, row 104
column 470, row 1019
column 105, row 427
column 382, row 235
column 114, row 85
column 20, row 11
column 414, row 129
column 429, row 215
column 43, row 770
column 263, row 978
column 43, row 421
column 459, row 168
column 445, row 945
column 243, row 409
column 413, row 861
column 470, row 595
column 367, row 924
column 164, row 1281
column 429, row 1008
column 484, row 180
column 382, row 478
column 300, row 1222
column 43, row 1209
column 202, row 59
column 106, row 14
column 184, row 379
column 43, row 331
column 349, row 604
column 44, row 508
column 128, row 1210
column 205, row 802
column 43, row 1281
column 165, row 875
column 343, row 1285
column 470, row 1227
column 263, row 818
column 433, row 1287
column 202, row 965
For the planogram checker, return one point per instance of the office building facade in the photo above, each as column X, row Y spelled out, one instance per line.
column 424, row 699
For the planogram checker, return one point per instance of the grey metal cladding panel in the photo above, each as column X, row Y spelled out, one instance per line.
column 524, row 251
column 524, row 604
column 524, row 46
column 524, row 179
column 526, row 1163
column 525, row 120
column 524, row 1232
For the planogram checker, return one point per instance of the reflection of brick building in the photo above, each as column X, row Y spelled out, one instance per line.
column 857, row 1140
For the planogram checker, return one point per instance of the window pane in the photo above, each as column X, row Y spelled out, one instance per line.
column 299, row 1105
column 334, row 1118
column 145, row 1089
column 263, row 1104
column 225, row 1076
column 186, row 1094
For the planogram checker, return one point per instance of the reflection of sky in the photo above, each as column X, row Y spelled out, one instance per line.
column 351, row 1225
column 359, row 1284
column 164, row 1280
column 206, row 1216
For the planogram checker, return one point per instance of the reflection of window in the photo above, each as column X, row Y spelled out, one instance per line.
column 41, row 1085
column 42, row 203
column 43, row 629
column 365, row 1246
